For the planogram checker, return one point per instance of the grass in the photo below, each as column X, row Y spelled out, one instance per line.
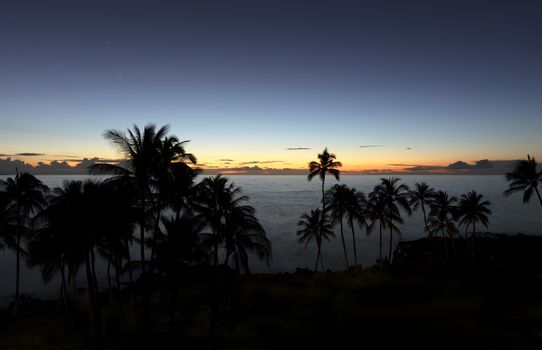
column 482, row 309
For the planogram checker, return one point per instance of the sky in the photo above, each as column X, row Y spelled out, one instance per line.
column 425, row 82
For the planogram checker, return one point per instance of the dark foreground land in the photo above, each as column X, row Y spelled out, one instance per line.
column 493, row 304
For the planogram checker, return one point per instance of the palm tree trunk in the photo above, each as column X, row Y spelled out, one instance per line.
column 94, row 306
column 318, row 254
column 344, row 245
column 425, row 219
column 538, row 194
column 323, row 196
column 354, row 244
column 142, row 234
column 380, row 223
column 64, row 293
column 18, row 271
column 391, row 244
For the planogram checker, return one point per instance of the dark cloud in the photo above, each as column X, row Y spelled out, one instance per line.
column 4, row 155
column 297, row 148
column 459, row 165
column 408, row 148
column 29, row 154
column 225, row 160
column 10, row 166
column 483, row 164
column 261, row 162
column 401, row 164
column 425, row 168
column 371, row 146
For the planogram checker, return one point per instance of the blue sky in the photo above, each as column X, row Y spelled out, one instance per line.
column 452, row 80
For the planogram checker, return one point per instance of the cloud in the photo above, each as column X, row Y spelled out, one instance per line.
column 371, row 146
column 408, row 148
column 9, row 166
column 261, row 162
column 29, row 154
column 4, row 155
column 459, row 165
column 225, row 160
column 297, row 148
column 401, row 164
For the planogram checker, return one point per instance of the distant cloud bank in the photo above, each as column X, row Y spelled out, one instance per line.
column 72, row 166
column 10, row 166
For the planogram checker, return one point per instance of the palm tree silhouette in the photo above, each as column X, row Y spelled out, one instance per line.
column 419, row 197
column 337, row 203
column 356, row 211
column 176, row 248
column 326, row 164
column 525, row 177
column 473, row 208
column 147, row 153
column 441, row 217
column 315, row 226
column 394, row 196
column 234, row 229
column 25, row 194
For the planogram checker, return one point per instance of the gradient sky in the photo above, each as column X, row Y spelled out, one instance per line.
column 245, row 80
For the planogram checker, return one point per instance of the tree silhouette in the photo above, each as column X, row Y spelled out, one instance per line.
column 394, row 196
column 441, row 217
column 25, row 194
column 326, row 164
column 356, row 211
column 337, row 203
column 315, row 226
column 419, row 197
column 147, row 154
column 525, row 177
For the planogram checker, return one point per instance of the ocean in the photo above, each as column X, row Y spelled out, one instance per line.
column 279, row 201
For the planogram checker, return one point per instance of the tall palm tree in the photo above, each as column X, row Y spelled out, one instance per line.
column 337, row 204
column 394, row 197
column 356, row 211
column 315, row 226
column 419, row 197
column 234, row 231
column 177, row 247
column 441, row 217
column 146, row 153
column 473, row 208
column 26, row 195
column 326, row 164
column 525, row 177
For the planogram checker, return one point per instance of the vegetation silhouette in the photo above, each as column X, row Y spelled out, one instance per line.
column 196, row 236
column 391, row 197
column 25, row 197
column 525, row 177
column 315, row 227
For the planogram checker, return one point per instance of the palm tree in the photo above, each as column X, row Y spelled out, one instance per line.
column 419, row 197
column 234, row 230
column 326, row 164
column 394, row 197
column 147, row 153
column 25, row 194
column 337, row 203
column 525, row 177
column 177, row 247
column 441, row 216
column 356, row 210
column 315, row 226
column 473, row 208
column 244, row 234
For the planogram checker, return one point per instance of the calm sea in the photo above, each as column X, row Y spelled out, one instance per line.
column 280, row 200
